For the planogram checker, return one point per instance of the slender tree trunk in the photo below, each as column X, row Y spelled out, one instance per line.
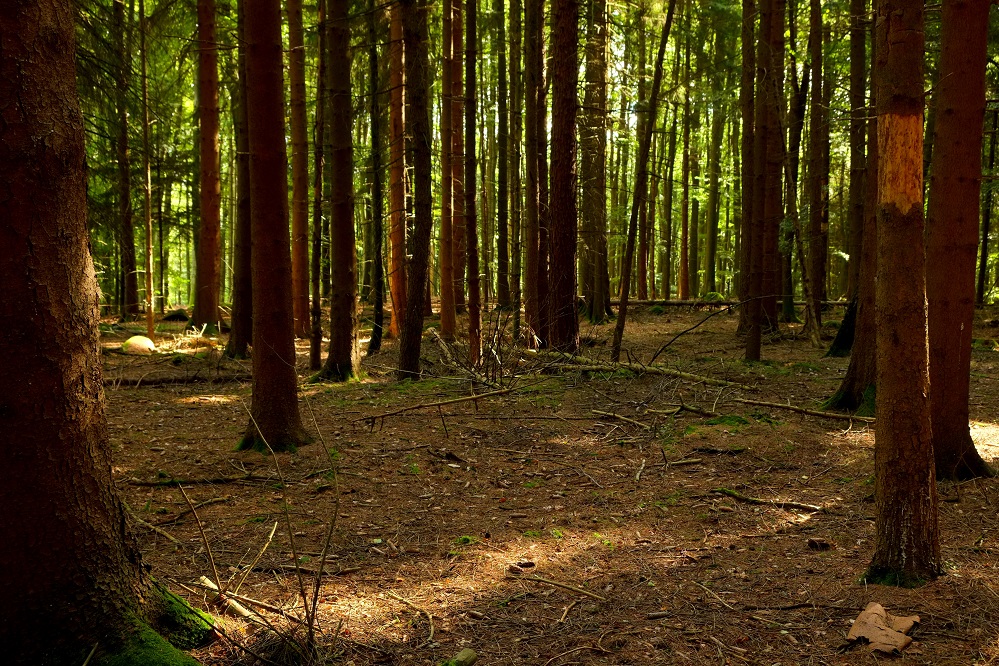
column 818, row 180
column 952, row 233
column 208, row 266
column 516, row 135
column 458, row 157
column 503, row 161
column 343, row 361
column 983, row 263
column 641, row 183
column 683, row 275
column 907, row 548
column 746, row 110
column 447, row 129
column 299, row 171
column 397, row 170
column 414, row 22
column 319, row 135
column 532, row 92
column 714, row 172
column 275, row 423
column 147, row 188
column 241, row 330
column 129, row 295
column 377, row 207
column 471, row 223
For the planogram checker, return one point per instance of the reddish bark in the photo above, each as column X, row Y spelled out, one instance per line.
column 397, row 171
column 299, row 172
column 952, row 233
column 208, row 269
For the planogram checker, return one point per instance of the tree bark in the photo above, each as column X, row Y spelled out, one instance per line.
column 397, row 170
column 208, row 267
column 129, row 296
column 275, row 422
column 471, row 220
column 299, row 171
column 532, row 92
column 952, row 233
column 907, row 548
column 69, row 560
column 377, row 205
column 414, row 20
column 241, row 330
column 319, row 134
column 746, row 111
column 447, row 128
column 343, row 360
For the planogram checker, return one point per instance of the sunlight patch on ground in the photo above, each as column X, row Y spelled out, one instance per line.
column 986, row 438
column 209, row 399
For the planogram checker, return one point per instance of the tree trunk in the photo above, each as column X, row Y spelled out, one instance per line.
column 458, row 158
column 414, row 21
column 397, row 171
column 907, row 548
column 241, row 330
column 208, row 266
column 147, row 185
column 516, row 136
column 746, row 111
column 983, row 264
column 593, row 167
column 447, row 129
column 343, row 361
column 502, row 159
column 319, row 135
column 69, row 560
column 952, row 233
column 532, row 92
column 562, row 309
column 275, row 422
column 641, row 183
column 471, row 223
column 683, row 275
column 377, row 208
column 129, row 295
column 818, row 176
column 299, row 171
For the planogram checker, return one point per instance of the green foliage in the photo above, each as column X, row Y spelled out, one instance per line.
column 713, row 297
column 657, row 310
column 727, row 420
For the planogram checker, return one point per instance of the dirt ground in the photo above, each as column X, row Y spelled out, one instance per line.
column 571, row 520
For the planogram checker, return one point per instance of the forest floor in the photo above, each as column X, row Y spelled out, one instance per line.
column 571, row 520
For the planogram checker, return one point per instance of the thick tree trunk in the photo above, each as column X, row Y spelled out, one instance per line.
column 343, row 361
column 593, row 167
column 414, row 20
column 299, row 171
column 746, row 111
column 69, row 560
column 532, row 91
column 275, row 422
column 952, row 233
column 563, row 314
column 397, row 171
column 208, row 267
column 241, row 330
column 907, row 548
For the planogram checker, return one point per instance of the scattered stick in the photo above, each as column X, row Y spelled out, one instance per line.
column 199, row 482
column 154, row 528
column 372, row 419
column 565, row 586
column 711, row 592
column 409, row 603
column 623, row 418
column 577, row 649
column 638, row 475
column 685, row 461
column 654, row 370
column 793, row 506
column 810, row 412
column 567, row 609
column 204, row 538
column 219, row 597
column 214, row 500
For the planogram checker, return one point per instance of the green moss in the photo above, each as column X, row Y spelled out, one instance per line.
column 657, row 310
column 713, row 297
column 146, row 648
column 184, row 626
column 727, row 420
column 883, row 576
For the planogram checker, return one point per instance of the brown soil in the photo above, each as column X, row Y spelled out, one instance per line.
column 445, row 519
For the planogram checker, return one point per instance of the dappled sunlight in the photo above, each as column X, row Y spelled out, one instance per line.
column 986, row 438
column 210, row 399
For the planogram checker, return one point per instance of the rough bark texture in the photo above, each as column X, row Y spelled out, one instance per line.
column 208, row 267
column 241, row 331
column 276, row 421
column 458, row 157
column 343, row 361
column 746, row 108
column 593, row 165
column 397, row 171
column 562, row 310
column 377, row 205
column 299, row 171
column 952, row 233
column 414, row 22
column 907, row 549
column 318, row 160
column 502, row 161
column 69, row 560
column 532, row 213
column 516, row 142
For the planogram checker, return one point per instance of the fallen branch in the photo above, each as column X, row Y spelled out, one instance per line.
column 623, row 418
column 214, row 500
column 588, row 365
column 199, row 482
column 442, row 403
column 564, row 586
column 409, row 603
column 154, row 528
column 804, row 410
column 793, row 506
